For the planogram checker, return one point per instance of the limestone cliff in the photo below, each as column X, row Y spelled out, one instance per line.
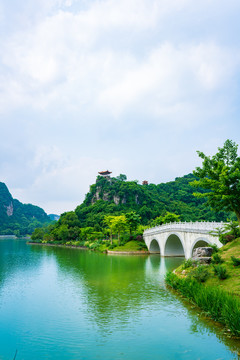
column 15, row 216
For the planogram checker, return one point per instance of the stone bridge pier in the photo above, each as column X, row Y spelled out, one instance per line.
column 181, row 238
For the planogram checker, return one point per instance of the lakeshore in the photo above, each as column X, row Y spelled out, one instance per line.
column 215, row 288
column 111, row 252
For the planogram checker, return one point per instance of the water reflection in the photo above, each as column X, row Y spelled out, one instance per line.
column 95, row 305
column 15, row 256
column 116, row 287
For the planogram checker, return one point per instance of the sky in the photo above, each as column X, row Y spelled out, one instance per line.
column 132, row 86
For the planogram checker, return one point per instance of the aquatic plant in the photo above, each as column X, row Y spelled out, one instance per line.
column 220, row 305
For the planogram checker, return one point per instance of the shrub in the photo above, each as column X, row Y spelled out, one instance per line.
column 107, row 242
column 220, row 271
column 94, row 245
column 81, row 243
column 216, row 259
column 139, row 238
column 225, row 238
column 200, row 273
column 187, row 264
column 215, row 248
column 142, row 246
column 236, row 261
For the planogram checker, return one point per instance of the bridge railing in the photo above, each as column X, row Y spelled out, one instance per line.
column 186, row 226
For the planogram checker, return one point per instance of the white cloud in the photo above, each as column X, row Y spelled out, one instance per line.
column 171, row 77
column 64, row 60
column 88, row 85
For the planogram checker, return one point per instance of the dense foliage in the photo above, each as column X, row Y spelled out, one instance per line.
column 120, row 208
column 17, row 218
column 220, row 176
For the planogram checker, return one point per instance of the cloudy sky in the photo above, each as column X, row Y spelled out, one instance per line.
column 133, row 86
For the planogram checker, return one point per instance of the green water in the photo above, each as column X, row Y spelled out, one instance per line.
column 58, row 303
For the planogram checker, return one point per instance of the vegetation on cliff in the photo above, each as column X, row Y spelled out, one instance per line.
column 113, row 196
column 17, row 218
column 119, row 209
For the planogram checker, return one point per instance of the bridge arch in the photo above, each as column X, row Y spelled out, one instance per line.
column 174, row 246
column 154, row 247
column 200, row 242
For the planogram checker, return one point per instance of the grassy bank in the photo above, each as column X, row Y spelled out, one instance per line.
column 220, row 305
column 102, row 245
column 215, row 288
column 232, row 281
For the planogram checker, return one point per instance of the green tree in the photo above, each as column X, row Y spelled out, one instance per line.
column 38, row 234
column 108, row 220
column 119, row 225
column 133, row 219
column 220, row 175
column 232, row 227
column 167, row 218
column 61, row 233
column 122, row 177
column 157, row 221
column 70, row 219
column 170, row 217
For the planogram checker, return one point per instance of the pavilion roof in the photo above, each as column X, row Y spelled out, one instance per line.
column 105, row 172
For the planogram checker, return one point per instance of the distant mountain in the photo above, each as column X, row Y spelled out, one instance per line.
column 54, row 217
column 17, row 218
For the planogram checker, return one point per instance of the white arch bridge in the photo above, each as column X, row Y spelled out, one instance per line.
column 181, row 238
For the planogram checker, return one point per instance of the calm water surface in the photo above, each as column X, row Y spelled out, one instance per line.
column 58, row 303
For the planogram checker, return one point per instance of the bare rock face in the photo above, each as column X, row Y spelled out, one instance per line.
column 105, row 196
column 116, row 199
column 96, row 197
column 202, row 252
column 136, row 199
column 202, row 255
column 9, row 209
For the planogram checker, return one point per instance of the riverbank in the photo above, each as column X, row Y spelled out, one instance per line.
column 8, row 237
column 215, row 288
column 111, row 252
column 132, row 247
column 57, row 245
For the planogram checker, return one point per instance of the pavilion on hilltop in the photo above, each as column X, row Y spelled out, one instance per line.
column 105, row 173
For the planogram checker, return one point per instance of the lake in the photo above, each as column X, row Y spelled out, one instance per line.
column 61, row 303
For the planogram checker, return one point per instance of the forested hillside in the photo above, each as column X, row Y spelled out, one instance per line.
column 121, row 207
column 17, row 218
column 116, row 196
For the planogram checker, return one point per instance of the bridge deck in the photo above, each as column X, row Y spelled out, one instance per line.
column 201, row 227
